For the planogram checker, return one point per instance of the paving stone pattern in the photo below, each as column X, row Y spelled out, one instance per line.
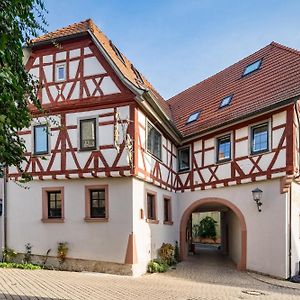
column 201, row 277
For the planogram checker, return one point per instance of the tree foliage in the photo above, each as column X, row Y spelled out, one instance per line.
column 20, row 20
column 206, row 228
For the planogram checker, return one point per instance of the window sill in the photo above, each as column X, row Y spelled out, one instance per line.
column 168, row 222
column 53, row 220
column 152, row 221
column 223, row 161
column 153, row 156
column 95, row 220
column 255, row 153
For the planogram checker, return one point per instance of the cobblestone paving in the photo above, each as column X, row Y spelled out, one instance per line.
column 201, row 277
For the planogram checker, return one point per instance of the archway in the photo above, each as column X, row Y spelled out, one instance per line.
column 214, row 201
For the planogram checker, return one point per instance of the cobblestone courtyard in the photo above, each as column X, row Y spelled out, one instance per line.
column 204, row 276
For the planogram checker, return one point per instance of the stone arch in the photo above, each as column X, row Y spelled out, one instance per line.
column 212, row 200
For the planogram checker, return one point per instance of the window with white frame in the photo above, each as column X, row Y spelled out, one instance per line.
column 40, row 139
column 223, row 148
column 61, row 72
column 260, row 138
column 87, row 134
column 184, row 159
column 154, row 141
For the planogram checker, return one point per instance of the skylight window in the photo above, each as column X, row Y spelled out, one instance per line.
column 226, row 101
column 252, row 67
column 193, row 117
column 137, row 74
column 117, row 51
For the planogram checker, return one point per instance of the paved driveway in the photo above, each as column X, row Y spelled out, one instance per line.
column 200, row 277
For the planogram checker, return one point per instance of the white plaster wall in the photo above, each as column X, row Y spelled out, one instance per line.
column 105, row 241
column 234, row 236
column 295, row 226
column 149, row 237
column 266, row 230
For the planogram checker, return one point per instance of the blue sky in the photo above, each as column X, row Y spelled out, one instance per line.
column 177, row 44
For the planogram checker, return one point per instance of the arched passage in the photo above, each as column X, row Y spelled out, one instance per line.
column 214, row 201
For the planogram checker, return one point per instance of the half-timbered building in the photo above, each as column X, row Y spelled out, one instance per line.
column 117, row 170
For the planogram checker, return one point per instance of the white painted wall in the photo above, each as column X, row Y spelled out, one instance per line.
column 234, row 236
column 105, row 241
column 295, row 222
column 149, row 237
column 266, row 230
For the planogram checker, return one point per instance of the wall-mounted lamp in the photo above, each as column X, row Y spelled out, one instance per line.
column 257, row 193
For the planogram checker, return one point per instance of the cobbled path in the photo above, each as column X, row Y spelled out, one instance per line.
column 201, row 277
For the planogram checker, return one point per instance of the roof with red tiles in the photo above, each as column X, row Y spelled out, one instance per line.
column 123, row 64
column 277, row 80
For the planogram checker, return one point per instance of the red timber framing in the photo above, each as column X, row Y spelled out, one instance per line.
column 64, row 145
column 207, row 174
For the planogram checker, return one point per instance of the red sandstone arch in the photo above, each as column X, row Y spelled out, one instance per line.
column 211, row 200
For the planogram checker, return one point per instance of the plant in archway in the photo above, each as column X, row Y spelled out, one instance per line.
column 207, row 228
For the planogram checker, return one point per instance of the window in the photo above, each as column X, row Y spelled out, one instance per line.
column 260, row 138
column 184, row 159
column 223, row 148
column 151, row 208
column 87, row 134
column 117, row 51
column 167, row 211
column 137, row 74
column 40, row 139
column 193, row 117
column 226, row 101
column 53, row 204
column 252, row 67
column 60, row 73
column 154, row 141
column 96, row 203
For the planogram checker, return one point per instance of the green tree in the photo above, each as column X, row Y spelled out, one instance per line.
column 207, row 228
column 20, row 20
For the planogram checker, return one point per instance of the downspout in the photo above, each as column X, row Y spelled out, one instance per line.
column 290, row 232
column 4, row 209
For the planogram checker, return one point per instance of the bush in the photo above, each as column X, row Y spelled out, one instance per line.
column 20, row 266
column 167, row 254
column 157, row 266
column 207, row 228
column 8, row 254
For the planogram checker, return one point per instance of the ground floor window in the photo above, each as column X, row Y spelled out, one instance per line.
column 151, row 207
column 96, row 203
column 53, row 204
column 167, row 210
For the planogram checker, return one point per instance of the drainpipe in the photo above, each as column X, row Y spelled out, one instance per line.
column 4, row 208
column 290, row 232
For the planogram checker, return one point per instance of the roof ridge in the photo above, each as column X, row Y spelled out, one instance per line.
column 286, row 48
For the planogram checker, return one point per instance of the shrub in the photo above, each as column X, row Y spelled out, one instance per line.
column 62, row 251
column 8, row 254
column 157, row 266
column 20, row 266
column 167, row 253
column 207, row 228
column 28, row 254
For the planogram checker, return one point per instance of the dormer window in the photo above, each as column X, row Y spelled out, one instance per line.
column 226, row 101
column 252, row 67
column 193, row 117
column 60, row 72
column 117, row 51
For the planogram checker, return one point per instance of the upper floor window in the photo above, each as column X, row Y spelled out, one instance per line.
column 226, row 101
column 184, row 159
column 252, row 67
column 60, row 72
column 154, row 141
column 193, row 117
column 40, row 139
column 87, row 134
column 260, row 138
column 223, row 148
